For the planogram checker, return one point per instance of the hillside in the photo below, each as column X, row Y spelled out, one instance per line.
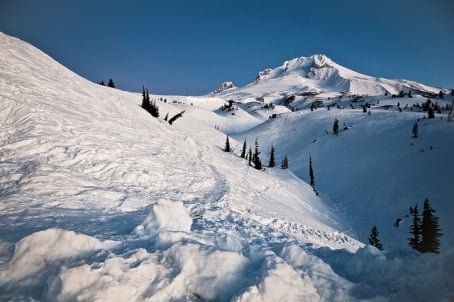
column 101, row 201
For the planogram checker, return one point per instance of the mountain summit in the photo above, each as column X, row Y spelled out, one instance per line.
column 319, row 75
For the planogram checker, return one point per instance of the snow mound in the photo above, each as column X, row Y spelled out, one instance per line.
column 280, row 282
column 35, row 254
column 116, row 279
column 166, row 215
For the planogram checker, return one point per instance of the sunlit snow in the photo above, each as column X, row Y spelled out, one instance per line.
column 99, row 201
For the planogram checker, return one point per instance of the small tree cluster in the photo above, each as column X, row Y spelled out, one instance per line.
column 256, row 156
column 284, row 162
column 426, row 232
column 149, row 106
column 110, row 84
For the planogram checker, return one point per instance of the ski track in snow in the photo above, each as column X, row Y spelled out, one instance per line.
column 101, row 202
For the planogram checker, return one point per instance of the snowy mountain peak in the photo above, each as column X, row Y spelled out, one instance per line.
column 319, row 74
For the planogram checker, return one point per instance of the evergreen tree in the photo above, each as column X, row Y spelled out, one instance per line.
column 414, row 130
column 154, row 109
column 227, row 145
column 373, row 238
column 145, row 100
column 336, row 126
column 284, row 162
column 311, row 173
column 430, row 113
column 430, row 230
column 441, row 95
column 111, row 83
column 102, row 83
column 243, row 152
column 272, row 162
column 250, row 157
column 256, row 157
column 415, row 229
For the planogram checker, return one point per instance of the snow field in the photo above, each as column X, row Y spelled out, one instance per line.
column 102, row 202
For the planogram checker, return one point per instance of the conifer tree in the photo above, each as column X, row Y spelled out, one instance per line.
column 441, row 94
column 430, row 113
column 154, row 109
column 414, row 130
column 284, row 162
column 336, row 126
column 145, row 100
column 227, row 145
column 111, row 83
column 243, row 152
column 415, row 229
column 256, row 157
column 250, row 157
column 373, row 238
column 430, row 230
column 272, row 162
column 102, row 83
column 311, row 173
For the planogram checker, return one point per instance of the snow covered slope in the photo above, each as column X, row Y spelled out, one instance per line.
column 101, row 201
column 319, row 75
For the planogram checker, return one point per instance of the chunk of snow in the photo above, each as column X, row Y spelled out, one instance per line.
column 40, row 250
column 165, row 215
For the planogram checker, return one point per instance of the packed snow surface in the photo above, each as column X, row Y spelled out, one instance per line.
column 102, row 202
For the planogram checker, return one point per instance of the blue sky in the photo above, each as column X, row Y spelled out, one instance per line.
column 191, row 47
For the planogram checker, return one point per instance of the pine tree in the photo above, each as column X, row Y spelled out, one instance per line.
column 373, row 238
column 256, row 157
column 415, row 230
column 227, row 145
column 102, row 83
column 154, row 109
column 284, row 162
column 311, row 173
column 272, row 162
column 250, row 157
column 145, row 100
column 430, row 113
column 336, row 126
column 441, row 94
column 430, row 230
column 243, row 152
column 111, row 83
column 414, row 130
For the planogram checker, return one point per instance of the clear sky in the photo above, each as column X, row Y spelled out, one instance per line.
column 191, row 47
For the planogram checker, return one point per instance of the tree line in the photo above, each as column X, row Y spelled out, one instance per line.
column 253, row 157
